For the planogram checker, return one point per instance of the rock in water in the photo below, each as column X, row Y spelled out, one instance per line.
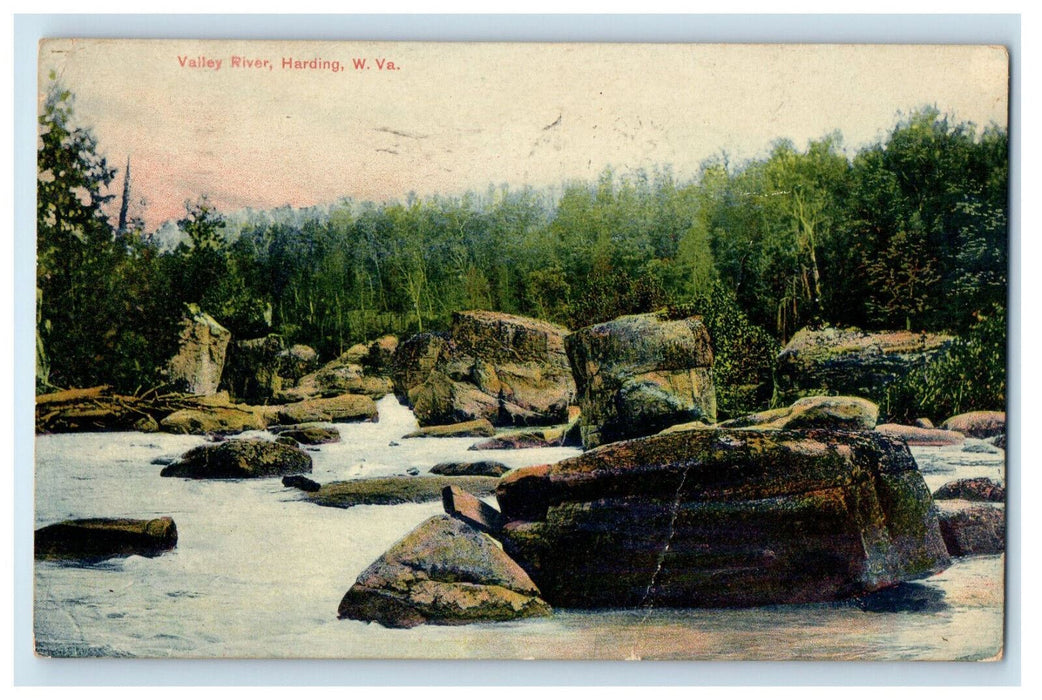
column 472, row 428
column 825, row 412
column 851, row 362
column 199, row 363
column 637, row 375
column 240, row 459
column 296, row 481
column 707, row 518
column 444, row 573
column 485, row 467
column 509, row 370
column 312, row 435
column 978, row 424
column 914, row 435
column 972, row 528
column 96, row 539
column 977, row 489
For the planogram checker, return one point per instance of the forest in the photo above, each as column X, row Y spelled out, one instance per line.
column 907, row 233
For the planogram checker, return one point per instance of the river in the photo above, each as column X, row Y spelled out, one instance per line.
column 258, row 572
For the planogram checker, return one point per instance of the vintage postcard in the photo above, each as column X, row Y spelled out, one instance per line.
column 521, row 351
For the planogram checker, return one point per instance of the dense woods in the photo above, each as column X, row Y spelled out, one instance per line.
column 907, row 233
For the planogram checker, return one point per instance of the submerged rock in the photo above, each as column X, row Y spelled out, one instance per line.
column 240, row 459
column 972, row 528
column 509, row 370
column 393, row 490
column 851, row 362
column 637, row 375
column 708, row 518
column 96, row 539
column 444, row 573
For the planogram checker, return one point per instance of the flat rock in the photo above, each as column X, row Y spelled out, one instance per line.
column 226, row 420
column 817, row 412
column 312, row 435
column 923, row 437
column 240, row 459
column 443, row 573
column 393, row 490
column 346, row 408
column 485, row 467
column 474, row 428
column 96, row 539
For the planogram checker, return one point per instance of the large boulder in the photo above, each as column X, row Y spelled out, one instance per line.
column 978, row 424
column 637, row 375
column 222, row 420
column 444, row 573
column 973, row 489
column 851, row 362
column 252, row 370
column 96, row 539
column 826, row 412
column 202, row 347
column 972, row 528
column 295, row 362
column 240, row 459
column 509, row 370
column 708, row 518
column 344, row 375
column 380, row 356
column 347, row 408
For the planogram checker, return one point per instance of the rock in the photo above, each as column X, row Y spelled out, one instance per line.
column 923, row 423
column 509, row 370
column 554, row 436
column 215, row 419
column 393, row 490
column 474, row 428
column 335, row 378
column 355, row 354
column 96, row 539
column 825, row 412
column 163, row 461
column 976, row 489
column 681, row 427
column 240, row 459
column 412, row 471
column 202, row 346
column 295, row 362
column 998, row 441
column 380, row 356
column 850, row 362
column 296, row 481
column 478, row 514
column 252, row 371
column 340, row 409
column 312, row 435
column 972, row 528
column 637, row 375
column 978, row 424
column 723, row 518
column 283, row 440
column 485, row 467
column 975, row 446
column 921, row 436
column 445, row 573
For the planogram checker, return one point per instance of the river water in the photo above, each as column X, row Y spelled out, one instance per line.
column 257, row 572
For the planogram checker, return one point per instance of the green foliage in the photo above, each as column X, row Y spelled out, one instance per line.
column 969, row 376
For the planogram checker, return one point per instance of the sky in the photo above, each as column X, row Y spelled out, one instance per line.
column 445, row 118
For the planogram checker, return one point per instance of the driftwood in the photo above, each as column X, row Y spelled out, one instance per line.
column 97, row 409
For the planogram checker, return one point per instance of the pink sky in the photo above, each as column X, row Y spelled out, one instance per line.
column 454, row 117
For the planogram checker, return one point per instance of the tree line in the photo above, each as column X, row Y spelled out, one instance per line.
column 909, row 232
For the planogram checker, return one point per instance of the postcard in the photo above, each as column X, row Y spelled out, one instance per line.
column 521, row 351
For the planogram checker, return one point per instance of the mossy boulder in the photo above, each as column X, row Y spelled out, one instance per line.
column 443, row 573
column 96, row 539
column 240, row 459
column 393, row 490
column 707, row 518
column 224, row 420
column 484, row 467
column 851, row 362
column 347, row 408
column 198, row 366
column 636, row 375
column 974, row 489
column 251, row 372
column 311, row 434
column 474, row 428
column 509, row 370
